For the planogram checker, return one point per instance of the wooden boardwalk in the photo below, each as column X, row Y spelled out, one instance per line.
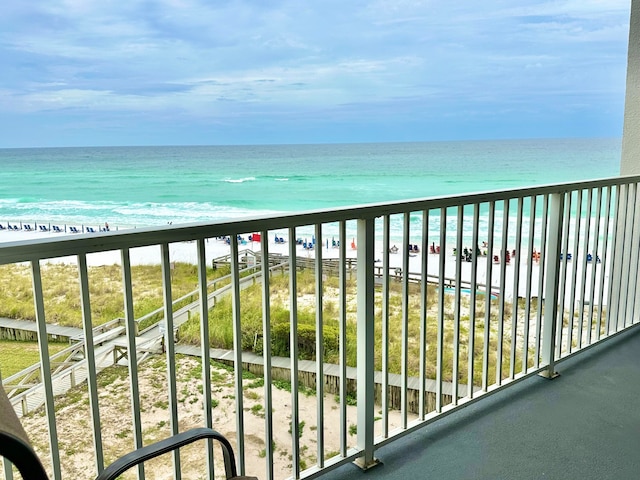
column 10, row 328
column 111, row 348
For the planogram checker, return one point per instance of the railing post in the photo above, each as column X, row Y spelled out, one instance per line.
column 365, row 342
column 549, row 322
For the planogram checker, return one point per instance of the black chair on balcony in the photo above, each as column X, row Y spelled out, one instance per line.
column 15, row 447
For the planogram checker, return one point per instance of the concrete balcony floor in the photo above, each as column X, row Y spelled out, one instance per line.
column 584, row 424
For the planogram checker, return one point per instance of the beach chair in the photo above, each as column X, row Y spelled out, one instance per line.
column 91, row 230
column 16, row 447
column 56, row 229
column 2, row 227
column 27, row 227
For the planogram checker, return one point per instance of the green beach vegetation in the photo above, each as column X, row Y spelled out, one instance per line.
column 16, row 356
column 61, row 290
column 62, row 306
column 221, row 326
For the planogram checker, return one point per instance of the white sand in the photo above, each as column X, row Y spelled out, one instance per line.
column 186, row 252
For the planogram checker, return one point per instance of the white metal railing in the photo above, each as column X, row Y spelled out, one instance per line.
column 563, row 260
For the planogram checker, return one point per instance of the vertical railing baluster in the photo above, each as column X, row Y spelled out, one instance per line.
column 626, row 253
column 386, row 232
column 616, row 250
column 529, row 262
column 7, row 469
column 237, row 351
column 366, row 341
column 621, row 303
column 542, row 272
column 132, row 353
column 574, row 270
column 473, row 296
column 293, row 355
column 205, row 351
column 456, row 311
column 489, row 291
column 635, row 266
column 404, row 360
column 516, row 285
column 583, row 273
column 45, row 367
column 266, row 349
column 441, row 308
column 170, row 349
column 342, row 312
column 319, row 348
column 551, row 285
column 503, row 274
column 424, row 311
column 563, row 275
column 603, row 265
column 594, row 264
column 89, row 355
column 632, row 255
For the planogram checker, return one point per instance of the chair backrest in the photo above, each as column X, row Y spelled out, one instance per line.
column 14, row 443
column 15, row 447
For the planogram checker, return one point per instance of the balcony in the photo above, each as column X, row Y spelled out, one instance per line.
column 439, row 316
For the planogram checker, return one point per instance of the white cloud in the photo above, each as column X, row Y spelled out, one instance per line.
column 197, row 57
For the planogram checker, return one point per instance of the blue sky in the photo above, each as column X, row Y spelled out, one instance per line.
column 184, row 72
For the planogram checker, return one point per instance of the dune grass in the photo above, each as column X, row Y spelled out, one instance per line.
column 61, row 291
column 16, row 356
column 221, row 327
column 62, row 306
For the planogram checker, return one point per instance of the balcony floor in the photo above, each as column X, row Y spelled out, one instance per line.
column 584, row 424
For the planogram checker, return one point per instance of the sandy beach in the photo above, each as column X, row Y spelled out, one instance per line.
column 215, row 248
column 518, row 267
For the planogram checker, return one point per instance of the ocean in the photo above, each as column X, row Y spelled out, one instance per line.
column 148, row 186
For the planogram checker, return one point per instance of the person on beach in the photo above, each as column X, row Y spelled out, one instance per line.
column 106, row 227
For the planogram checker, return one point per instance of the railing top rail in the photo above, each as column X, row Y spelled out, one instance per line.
column 38, row 249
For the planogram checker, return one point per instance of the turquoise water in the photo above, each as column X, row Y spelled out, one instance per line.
column 144, row 186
